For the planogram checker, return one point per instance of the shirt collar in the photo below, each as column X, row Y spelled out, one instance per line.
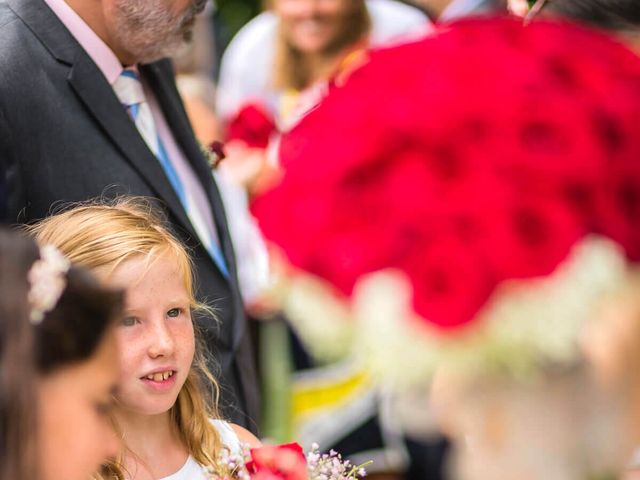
column 99, row 51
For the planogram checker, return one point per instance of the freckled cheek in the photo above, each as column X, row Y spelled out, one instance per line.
column 190, row 345
column 186, row 342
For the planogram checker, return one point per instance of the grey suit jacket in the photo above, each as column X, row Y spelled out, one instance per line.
column 65, row 137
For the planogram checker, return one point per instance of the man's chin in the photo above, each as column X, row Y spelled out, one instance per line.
column 158, row 52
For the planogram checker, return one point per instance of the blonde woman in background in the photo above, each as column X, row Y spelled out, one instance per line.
column 286, row 50
column 169, row 425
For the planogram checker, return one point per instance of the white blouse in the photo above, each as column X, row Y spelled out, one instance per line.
column 192, row 470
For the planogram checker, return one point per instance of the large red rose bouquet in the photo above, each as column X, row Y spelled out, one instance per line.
column 492, row 171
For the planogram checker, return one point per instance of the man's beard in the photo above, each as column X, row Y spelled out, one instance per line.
column 148, row 30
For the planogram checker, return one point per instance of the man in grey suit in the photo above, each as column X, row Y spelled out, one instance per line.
column 88, row 107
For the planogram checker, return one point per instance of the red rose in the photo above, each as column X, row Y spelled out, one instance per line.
column 618, row 208
column 449, row 283
column 294, row 220
column 253, row 124
column 543, row 234
column 278, row 462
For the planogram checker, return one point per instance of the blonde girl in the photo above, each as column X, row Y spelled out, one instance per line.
column 170, row 428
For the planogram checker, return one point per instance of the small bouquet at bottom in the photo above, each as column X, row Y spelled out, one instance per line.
column 285, row 462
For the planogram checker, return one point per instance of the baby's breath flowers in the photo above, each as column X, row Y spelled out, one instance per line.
column 331, row 466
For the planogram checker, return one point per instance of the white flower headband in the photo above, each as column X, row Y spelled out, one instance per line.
column 47, row 280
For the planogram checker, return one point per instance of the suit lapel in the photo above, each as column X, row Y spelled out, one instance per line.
column 158, row 76
column 97, row 95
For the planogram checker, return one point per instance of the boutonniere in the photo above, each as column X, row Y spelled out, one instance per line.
column 213, row 153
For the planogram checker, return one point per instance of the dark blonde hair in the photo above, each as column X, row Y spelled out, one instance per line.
column 291, row 69
column 103, row 235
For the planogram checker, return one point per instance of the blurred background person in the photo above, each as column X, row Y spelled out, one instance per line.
column 63, row 328
column 285, row 51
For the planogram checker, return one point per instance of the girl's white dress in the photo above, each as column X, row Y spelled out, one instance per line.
column 192, row 470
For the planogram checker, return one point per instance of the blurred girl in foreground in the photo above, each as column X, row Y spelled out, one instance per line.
column 58, row 365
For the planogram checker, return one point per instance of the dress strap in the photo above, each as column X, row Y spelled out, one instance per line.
column 228, row 436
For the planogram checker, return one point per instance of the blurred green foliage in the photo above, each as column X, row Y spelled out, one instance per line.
column 231, row 15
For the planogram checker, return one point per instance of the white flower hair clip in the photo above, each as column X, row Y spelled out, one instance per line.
column 47, row 280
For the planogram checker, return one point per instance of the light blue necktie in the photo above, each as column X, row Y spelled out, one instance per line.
column 129, row 91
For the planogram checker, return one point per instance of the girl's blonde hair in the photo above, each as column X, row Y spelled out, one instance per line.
column 103, row 235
